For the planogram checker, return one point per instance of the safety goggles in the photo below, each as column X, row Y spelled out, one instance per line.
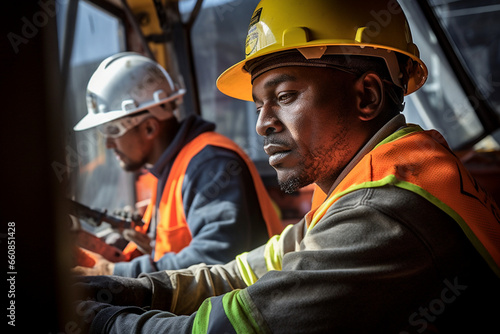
column 119, row 127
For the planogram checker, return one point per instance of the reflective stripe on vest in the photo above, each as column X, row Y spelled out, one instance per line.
column 172, row 233
column 421, row 162
column 228, row 313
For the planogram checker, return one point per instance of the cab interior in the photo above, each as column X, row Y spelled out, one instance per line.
column 53, row 47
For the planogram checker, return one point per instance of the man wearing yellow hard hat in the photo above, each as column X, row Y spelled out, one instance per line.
column 400, row 239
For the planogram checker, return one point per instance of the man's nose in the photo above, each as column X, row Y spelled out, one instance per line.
column 267, row 122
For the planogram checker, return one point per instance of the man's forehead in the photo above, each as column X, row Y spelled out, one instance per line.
column 274, row 78
column 277, row 78
column 295, row 73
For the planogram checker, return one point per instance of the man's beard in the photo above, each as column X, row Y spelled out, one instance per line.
column 291, row 185
column 131, row 166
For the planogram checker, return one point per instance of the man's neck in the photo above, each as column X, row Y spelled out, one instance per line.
column 390, row 127
column 169, row 129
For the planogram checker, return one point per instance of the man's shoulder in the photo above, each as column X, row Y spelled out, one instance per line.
column 412, row 214
column 398, row 203
column 212, row 160
column 213, row 154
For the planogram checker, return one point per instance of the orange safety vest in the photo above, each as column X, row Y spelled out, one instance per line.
column 172, row 232
column 421, row 162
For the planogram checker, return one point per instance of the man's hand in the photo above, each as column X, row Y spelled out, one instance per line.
column 115, row 290
column 101, row 267
column 85, row 312
column 142, row 241
column 88, row 318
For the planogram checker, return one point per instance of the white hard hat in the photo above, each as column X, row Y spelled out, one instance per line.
column 125, row 84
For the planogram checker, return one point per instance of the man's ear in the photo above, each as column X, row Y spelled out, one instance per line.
column 150, row 127
column 369, row 96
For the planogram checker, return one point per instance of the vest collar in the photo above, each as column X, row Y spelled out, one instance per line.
column 191, row 127
column 395, row 124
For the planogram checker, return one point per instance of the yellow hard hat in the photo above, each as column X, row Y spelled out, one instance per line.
column 375, row 28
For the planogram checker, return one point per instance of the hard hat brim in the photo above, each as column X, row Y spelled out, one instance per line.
column 93, row 120
column 236, row 82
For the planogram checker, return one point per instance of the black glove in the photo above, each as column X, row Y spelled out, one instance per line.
column 115, row 290
column 85, row 312
column 94, row 317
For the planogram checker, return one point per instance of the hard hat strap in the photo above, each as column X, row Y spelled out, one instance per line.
column 290, row 58
column 315, row 57
column 388, row 56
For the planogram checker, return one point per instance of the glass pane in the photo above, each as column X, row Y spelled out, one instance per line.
column 474, row 29
column 95, row 177
column 441, row 103
column 218, row 39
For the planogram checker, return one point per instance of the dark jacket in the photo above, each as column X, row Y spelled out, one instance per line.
column 222, row 209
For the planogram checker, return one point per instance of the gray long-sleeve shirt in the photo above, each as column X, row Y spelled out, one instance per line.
column 382, row 260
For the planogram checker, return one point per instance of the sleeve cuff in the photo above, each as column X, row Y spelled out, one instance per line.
column 161, row 288
column 134, row 268
column 105, row 318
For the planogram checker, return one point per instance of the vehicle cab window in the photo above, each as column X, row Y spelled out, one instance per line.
column 94, row 177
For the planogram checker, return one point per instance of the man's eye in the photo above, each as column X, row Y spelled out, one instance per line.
column 258, row 110
column 285, row 97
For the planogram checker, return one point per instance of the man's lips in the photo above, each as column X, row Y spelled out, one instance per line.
column 272, row 149
column 276, row 153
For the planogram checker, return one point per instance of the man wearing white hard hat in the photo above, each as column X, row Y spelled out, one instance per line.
column 208, row 203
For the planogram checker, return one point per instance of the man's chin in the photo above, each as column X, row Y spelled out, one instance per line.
column 130, row 168
column 290, row 185
column 292, row 179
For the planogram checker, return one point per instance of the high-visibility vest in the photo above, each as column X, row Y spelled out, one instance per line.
column 421, row 162
column 172, row 231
